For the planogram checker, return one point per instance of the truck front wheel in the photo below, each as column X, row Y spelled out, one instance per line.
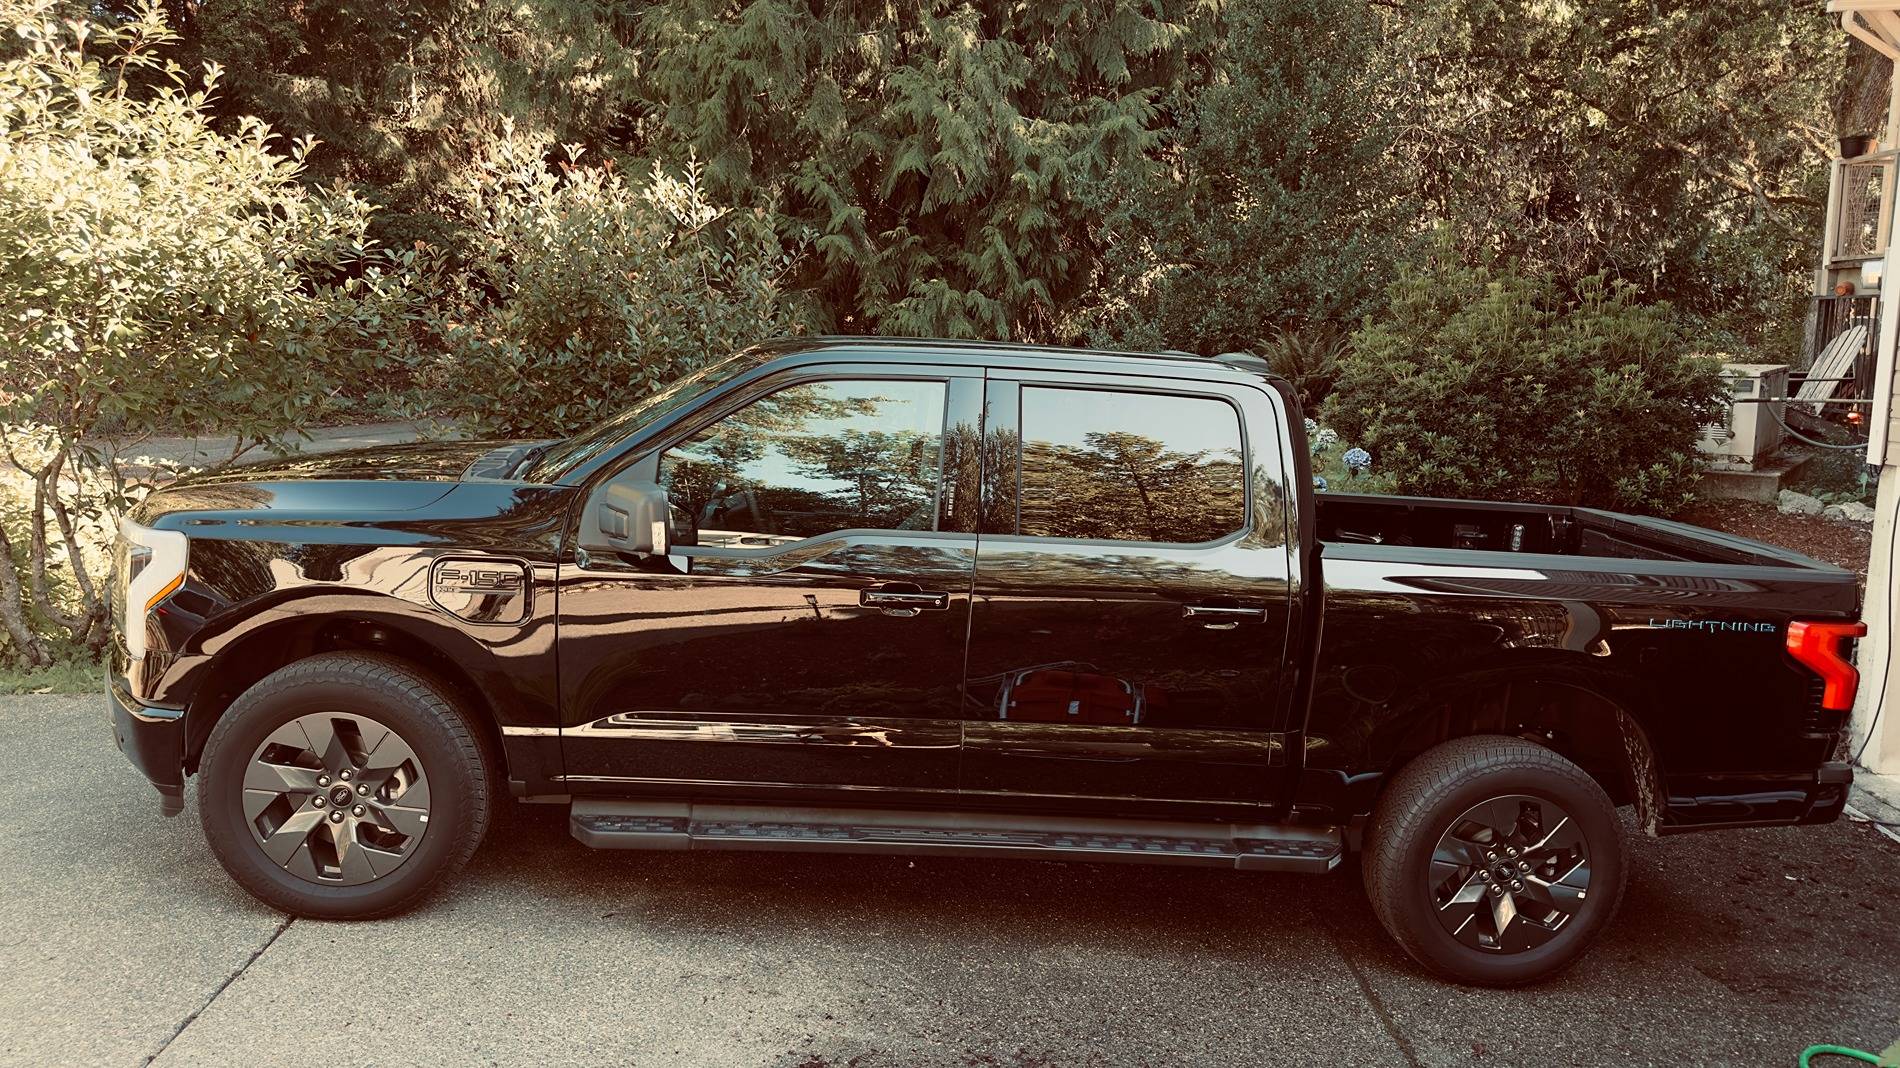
column 343, row 786
column 1493, row 861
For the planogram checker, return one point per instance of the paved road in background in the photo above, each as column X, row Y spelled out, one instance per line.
column 122, row 943
column 198, row 451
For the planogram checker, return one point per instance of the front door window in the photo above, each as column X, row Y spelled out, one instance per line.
column 813, row 459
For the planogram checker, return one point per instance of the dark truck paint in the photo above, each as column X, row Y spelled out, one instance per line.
column 1270, row 659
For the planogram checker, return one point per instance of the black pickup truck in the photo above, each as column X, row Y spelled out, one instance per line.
column 924, row 597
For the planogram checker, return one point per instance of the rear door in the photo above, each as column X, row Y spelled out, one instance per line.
column 1130, row 610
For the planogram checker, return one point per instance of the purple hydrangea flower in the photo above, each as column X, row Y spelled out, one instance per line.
column 1319, row 483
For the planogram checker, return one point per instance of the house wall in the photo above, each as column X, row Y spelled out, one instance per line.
column 1875, row 734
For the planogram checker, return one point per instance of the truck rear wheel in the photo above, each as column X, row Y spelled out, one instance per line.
column 343, row 786
column 1493, row 861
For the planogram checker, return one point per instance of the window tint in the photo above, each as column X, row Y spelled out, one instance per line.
column 1130, row 466
column 811, row 459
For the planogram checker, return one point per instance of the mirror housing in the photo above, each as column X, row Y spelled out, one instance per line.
column 631, row 517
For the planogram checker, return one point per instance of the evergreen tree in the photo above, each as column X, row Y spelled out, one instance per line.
column 1281, row 208
column 948, row 162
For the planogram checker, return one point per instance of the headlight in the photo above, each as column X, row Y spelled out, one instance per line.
column 147, row 567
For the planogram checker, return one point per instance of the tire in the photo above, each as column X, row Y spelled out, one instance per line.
column 1420, row 875
column 386, row 733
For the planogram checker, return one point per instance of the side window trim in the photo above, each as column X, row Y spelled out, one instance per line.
column 1003, row 410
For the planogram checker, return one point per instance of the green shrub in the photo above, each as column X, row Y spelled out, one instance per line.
column 1485, row 381
column 156, row 275
column 577, row 293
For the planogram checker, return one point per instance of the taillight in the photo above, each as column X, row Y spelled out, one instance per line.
column 1818, row 646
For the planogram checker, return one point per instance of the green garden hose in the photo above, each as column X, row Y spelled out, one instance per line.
column 1808, row 1055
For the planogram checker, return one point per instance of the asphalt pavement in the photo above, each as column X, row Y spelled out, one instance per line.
column 123, row 943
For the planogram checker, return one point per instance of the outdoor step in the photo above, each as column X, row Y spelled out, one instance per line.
column 617, row 824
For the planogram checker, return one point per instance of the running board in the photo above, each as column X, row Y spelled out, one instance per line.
column 616, row 824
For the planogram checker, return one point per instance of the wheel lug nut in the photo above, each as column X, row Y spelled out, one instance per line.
column 1497, row 890
column 1490, row 854
column 317, row 801
column 336, row 816
column 1516, row 885
column 1523, row 865
column 357, row 811
column 323, row 780
column 363, row 788
column 1484, row 876
column 344, row 774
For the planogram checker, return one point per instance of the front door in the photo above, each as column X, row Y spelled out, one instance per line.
column 806, row 631
column 1131, row 602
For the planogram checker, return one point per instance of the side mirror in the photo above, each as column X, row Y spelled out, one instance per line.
column 632, row 517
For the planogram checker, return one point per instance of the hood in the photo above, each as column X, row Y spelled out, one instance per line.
column 422, row 461
column 333, row 486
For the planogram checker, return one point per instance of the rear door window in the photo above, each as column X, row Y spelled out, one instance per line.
column 1128, row 466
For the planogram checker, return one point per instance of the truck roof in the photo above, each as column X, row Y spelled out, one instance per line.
column 1227, row 365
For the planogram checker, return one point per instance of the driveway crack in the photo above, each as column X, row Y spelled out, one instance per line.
column 282, row 926
column 1372, row 998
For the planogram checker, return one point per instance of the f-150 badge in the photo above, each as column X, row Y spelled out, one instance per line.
column 481, row 591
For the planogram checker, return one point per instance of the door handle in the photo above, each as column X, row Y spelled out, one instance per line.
column 902, row 599
column 1221, row 616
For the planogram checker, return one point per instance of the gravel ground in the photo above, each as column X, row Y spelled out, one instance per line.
column 122, row 943
column 1835, row 541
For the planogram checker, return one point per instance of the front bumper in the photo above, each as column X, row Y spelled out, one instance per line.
column 153, row 739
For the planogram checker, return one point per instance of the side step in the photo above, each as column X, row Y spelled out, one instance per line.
column 617, row 824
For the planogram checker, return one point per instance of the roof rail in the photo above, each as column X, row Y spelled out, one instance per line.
column 1245, row 361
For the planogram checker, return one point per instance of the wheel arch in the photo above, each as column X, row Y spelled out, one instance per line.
column 1598, row 728
column 378, row 625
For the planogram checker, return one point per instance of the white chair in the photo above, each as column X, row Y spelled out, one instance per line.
column 1833, row 364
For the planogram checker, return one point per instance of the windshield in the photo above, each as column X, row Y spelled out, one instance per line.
column 571, row 452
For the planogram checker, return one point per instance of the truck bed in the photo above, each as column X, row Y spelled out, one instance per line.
column 1487, row 526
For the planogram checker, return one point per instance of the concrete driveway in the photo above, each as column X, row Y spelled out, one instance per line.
column 121, row 942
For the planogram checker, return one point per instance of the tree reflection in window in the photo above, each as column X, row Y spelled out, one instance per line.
column 811, row 459
column 1130, row 466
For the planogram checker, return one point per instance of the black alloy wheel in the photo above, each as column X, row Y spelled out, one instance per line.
column 1509, row 873
column 1493, row 860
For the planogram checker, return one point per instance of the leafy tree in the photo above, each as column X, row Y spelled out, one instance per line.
column 1495, row 382
column 404, row 96
column 1200, row 174
column 578, row 292
column 1679, row 147
column 154, row 274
